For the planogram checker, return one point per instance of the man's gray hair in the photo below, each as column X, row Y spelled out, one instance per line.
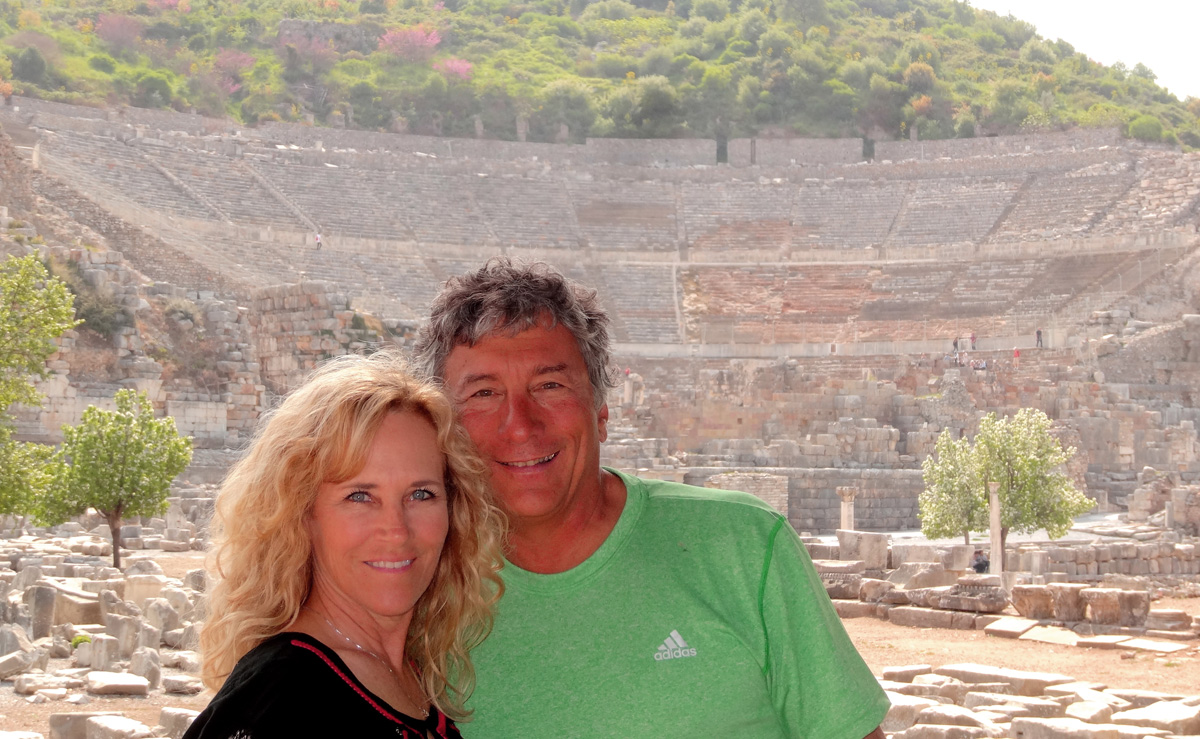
column 509, row 297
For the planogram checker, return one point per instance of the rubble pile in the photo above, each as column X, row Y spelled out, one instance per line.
column 970, row 701
column 119, row 633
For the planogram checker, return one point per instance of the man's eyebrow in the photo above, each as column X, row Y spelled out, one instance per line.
column 547, row 369
column 477, row 377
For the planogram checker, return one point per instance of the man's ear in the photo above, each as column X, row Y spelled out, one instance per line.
column 602, row 418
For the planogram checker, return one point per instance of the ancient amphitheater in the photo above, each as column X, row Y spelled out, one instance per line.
column 785, row 324
column 785, row 316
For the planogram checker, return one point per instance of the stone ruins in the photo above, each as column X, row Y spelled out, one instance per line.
column 797, row 323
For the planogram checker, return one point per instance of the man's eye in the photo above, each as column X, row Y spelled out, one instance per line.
column 482, row 394
column 551, row 385
column 423, row 494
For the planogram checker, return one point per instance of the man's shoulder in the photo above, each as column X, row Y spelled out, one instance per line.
column 698, row 501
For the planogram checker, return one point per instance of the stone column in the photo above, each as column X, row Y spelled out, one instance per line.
column 997, row 558
column 847, row 493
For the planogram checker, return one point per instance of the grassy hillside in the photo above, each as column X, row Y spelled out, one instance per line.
column 654, row 68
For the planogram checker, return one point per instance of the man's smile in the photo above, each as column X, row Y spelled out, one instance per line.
column 531, row 462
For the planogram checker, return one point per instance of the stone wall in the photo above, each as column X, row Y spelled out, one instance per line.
column 653, row 152
column 793, row 152
column 1092, row 562
column 1083, row 138
column 771, row 489
column 886, row 501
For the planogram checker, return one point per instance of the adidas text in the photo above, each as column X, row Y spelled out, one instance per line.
column 674, row 653
column 673, row 648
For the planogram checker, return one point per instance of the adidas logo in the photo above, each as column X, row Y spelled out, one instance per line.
column 674, row 648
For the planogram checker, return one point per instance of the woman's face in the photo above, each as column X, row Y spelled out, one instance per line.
column 377, row 537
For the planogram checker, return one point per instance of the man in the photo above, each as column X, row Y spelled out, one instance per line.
column 632, row 608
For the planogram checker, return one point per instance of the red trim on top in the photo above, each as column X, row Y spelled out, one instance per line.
column 351, row 683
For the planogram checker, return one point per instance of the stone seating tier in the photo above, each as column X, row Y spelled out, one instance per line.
column 1064, row 204
column 230, row 186
column 122, row 170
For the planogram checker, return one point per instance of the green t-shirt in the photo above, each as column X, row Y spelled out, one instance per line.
column 700, row 616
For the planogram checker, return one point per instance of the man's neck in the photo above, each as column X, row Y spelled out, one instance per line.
column 549, row 547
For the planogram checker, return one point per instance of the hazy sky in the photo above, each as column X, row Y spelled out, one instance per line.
column 1157, row 33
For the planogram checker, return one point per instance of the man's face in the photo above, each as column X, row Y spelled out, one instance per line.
column 526, row 401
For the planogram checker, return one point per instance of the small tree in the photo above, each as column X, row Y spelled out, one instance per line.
column 35, row 309
column 1023, row 457
column 952, row 502
column 119, row 462
column 410, row 43
column 26, row 474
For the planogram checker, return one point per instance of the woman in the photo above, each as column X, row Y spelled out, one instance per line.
column 356, row 550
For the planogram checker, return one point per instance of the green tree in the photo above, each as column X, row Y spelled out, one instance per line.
column 30, row 66
column 120, row 462
column 953, row 501
column 35, row 309
column 26, row 473
column 1022, row 455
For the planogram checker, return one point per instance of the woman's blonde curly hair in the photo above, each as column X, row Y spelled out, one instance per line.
column 262, row 554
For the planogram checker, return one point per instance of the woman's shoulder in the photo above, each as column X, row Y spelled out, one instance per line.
column 281, row 684
column 287, row 660
column 293, row 685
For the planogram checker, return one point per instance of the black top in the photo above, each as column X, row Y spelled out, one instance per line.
column 292, row 686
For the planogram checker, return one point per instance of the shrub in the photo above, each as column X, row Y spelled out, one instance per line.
column 153, row 90
column 609, row 10
column 102, row 63
column 1039, row 52
column 30, row 65
column 80, row 639
column 919, row 77
column 989, row 41
column 181, row 309
column 1146, row 128
column 99, row 312
column 713, row 10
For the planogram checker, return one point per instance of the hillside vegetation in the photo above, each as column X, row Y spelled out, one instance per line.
column 571, row 68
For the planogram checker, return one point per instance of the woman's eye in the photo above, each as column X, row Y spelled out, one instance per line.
column 423, row 494
column 359, row 496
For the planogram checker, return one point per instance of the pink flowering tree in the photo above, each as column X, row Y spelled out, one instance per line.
column 410, row 43
column 232, row 62
column 229, row 65
column 454, row 68
column 120, row 32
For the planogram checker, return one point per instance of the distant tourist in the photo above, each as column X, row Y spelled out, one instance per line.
column 972, row 341
column 1039, row 337
column 980, row 564
column 1016, row 357
column 955, row 344
column 318, row 241
column 356, row 551
column 632, row 607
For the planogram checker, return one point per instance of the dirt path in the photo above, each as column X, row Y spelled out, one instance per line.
column 885, row 645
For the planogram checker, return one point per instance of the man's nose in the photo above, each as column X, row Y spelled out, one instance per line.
column 520, row 417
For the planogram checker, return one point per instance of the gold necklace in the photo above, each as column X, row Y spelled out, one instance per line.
column 424, row 711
